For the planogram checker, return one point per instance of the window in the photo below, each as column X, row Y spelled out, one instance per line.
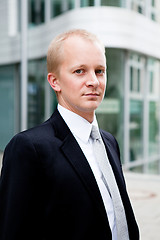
column 153, row 167
column 150, row 8
column 36, row 92
column 136, row 130
column 85, row 3
column 136, row 106
column 116, row 3
column 138, row 6
column 144, row 112
column 9, row 103
column 36, row 12
column 56, row 7
column 60, row 6
column 154, row 128
column 136, row 71
column 154, row 10
column 110, row 112
column 153, row 76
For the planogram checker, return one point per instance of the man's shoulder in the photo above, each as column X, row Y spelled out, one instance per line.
column 39, row 133
column 107, row 135
column 42, row 129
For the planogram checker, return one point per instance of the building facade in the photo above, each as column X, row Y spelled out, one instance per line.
column 130, row 30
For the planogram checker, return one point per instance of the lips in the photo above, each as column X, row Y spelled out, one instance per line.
column 92, row 94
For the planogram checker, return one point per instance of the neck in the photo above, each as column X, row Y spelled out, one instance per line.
column 89, row 116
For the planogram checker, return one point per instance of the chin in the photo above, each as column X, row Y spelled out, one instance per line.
column 92, row 108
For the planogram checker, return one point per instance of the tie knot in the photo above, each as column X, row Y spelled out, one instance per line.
column 95, row 133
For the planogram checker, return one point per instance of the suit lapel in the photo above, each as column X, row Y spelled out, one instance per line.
column 78, row 161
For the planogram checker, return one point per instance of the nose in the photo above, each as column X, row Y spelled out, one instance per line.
column 92, row 80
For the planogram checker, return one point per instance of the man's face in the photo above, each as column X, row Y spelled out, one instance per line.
column 82, row 76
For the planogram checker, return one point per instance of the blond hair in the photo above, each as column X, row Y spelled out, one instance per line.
column 55, row 49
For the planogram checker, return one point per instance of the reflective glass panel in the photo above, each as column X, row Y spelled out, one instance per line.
column 154, row 167
column 153, row 71
column 60, row 6
column 8, row 109
column 136, row 130
column 138, row 6
column 136, row 73
column 36, row 12
column 85, row 3
column 153, row 128
column 56, row 7
column 116, row 3
column 36, row 91
column 155, row 10
column 110, row 112
column 137, row 169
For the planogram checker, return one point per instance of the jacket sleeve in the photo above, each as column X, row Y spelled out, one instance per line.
column 20, row 193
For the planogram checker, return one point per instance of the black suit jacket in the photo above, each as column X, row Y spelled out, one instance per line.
column 48, row 190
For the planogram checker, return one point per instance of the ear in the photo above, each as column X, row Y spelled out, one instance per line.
column 53, row 81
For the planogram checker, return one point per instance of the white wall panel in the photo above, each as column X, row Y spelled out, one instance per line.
column 117, row 28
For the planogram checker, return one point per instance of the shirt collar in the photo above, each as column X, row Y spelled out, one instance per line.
column 79, row 126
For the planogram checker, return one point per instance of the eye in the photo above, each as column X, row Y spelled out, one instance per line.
column 100, row 72
column 79, row 71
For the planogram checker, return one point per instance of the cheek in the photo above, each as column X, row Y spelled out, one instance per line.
column 75, row 86
column 103, row 85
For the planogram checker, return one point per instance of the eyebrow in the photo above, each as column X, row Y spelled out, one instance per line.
column 101, row 66
column 84, row 66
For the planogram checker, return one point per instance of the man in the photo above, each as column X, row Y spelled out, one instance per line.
column 52, row 185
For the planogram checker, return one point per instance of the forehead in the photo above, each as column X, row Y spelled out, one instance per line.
column 76, row 47
column 81, row 41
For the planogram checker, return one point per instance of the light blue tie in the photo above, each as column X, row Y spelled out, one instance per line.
column 110, row 182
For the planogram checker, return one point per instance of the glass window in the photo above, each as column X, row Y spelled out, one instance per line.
column 136, row 106
column 153, row 69
column 154, row 167
column 71, row 4
column 56, row 7
column 60, row 6
column 137, row 169
column 136, row 130
column 135, row 80
column 9, row 99
column 138, row 6
column 144, row 115
column 150, row 8
column 116, row 3
column 36, row 12
column 110, row 112
column 154, row 10
column 136, row 73
column 154, row 128
column 85, row 3
column 36, row 92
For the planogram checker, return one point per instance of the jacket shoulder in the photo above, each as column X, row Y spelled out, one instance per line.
column 111, row 140
column 108, row 136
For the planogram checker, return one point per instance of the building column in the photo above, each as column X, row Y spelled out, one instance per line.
column 24, row 64
column 126, row 143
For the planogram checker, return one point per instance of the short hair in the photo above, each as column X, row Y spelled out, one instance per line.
column 55, row 49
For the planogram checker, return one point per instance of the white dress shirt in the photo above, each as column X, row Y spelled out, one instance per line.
column 81, row 130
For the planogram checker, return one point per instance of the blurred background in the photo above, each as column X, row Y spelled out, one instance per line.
column 130, row 31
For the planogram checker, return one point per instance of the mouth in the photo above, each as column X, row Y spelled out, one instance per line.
column 91, row 94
